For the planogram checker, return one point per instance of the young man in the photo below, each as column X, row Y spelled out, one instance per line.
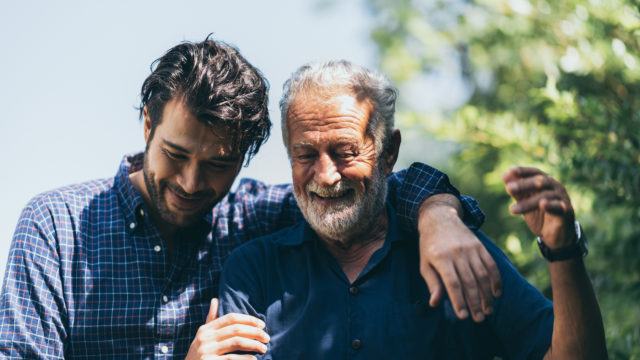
column 127, row 266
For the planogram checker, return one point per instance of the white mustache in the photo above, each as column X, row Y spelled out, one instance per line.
column 337, row 190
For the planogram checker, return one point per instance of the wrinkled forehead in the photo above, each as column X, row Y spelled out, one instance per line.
column 328, row 118
column 325, row 103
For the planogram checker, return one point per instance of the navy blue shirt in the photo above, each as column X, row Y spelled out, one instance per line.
column 294, row 284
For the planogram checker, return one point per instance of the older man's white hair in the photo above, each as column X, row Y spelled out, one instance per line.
column 360, row 81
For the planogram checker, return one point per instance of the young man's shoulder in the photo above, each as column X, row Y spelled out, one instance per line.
column 75, row 198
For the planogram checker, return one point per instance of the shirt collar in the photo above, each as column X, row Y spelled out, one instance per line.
column 133, row 206
column 303, row 232
column 130, row 198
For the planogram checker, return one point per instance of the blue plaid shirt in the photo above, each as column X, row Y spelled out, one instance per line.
column 89, row 276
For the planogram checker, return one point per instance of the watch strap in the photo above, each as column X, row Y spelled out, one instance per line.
column 575, row 250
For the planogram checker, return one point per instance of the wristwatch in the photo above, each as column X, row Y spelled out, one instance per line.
column 577, row 249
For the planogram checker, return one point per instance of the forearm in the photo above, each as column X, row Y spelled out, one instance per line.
column 445, row 205
column 578, row 332
column 420, row 185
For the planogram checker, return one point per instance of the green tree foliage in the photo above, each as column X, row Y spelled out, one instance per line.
column 553, row 84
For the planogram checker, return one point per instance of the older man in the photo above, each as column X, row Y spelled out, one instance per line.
column 345, row 284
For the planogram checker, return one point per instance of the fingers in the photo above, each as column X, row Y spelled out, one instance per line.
column 233, row 318
column 246, row 331
column 213, row 310
column 434, row 284
column 534, row 190
column 492, row 269
column 237, row 343
column 230, row 357
column 237, row 357
column 482, row 279
column 555, row 206
column 521, row 187
column 229, row 333
column 531, row 203
column 470, row 290
column 520, row 172
column 454, row 289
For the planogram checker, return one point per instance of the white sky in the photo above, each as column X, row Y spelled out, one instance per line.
column 70, row 73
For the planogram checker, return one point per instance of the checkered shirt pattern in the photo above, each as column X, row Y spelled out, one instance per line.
column 88, row 274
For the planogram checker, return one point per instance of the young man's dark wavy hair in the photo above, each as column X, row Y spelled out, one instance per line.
column 217, row 84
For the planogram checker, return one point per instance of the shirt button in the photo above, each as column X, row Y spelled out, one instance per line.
column 354, row 290
column 141, row 212
column 356, row 344
column 165, row 299
column 157, row 248
column 132, row 225
column 164, row 349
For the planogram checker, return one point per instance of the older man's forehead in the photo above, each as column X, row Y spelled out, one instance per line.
column 314, row 142
column 339, row 107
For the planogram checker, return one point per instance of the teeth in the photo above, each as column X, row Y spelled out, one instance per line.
column 331, row 196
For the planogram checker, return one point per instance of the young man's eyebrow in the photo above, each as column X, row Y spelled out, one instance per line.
column 175, row 146
column 224, row 158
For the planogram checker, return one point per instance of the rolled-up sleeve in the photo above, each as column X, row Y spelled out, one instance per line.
column 410, row 187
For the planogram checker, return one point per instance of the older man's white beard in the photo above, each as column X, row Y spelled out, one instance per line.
column 349, row 216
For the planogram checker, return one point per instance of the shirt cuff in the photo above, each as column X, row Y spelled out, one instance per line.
column 422, row 181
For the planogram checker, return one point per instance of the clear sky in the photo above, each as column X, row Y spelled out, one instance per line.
column 70, row 73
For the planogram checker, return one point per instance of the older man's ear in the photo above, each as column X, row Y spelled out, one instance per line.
column 392, row 150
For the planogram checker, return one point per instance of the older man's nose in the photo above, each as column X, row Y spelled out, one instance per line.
column 326, row 171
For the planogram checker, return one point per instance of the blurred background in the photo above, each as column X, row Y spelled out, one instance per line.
column 483, row 85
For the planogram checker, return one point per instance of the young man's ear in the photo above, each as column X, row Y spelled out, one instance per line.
column 392, row 151
column 146, row 120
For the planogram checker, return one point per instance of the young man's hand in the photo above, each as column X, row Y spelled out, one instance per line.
column 218, row 338
column 453, row 258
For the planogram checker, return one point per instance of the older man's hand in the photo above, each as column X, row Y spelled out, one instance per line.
column 220, row 337
column 453, row 258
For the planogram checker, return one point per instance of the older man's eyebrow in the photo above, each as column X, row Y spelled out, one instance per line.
column 302, row 145
column 340, row 140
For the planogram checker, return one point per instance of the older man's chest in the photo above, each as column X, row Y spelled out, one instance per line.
column 315, row 313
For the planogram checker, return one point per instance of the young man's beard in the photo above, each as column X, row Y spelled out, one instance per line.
column 352, row 216
column 159, row 205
